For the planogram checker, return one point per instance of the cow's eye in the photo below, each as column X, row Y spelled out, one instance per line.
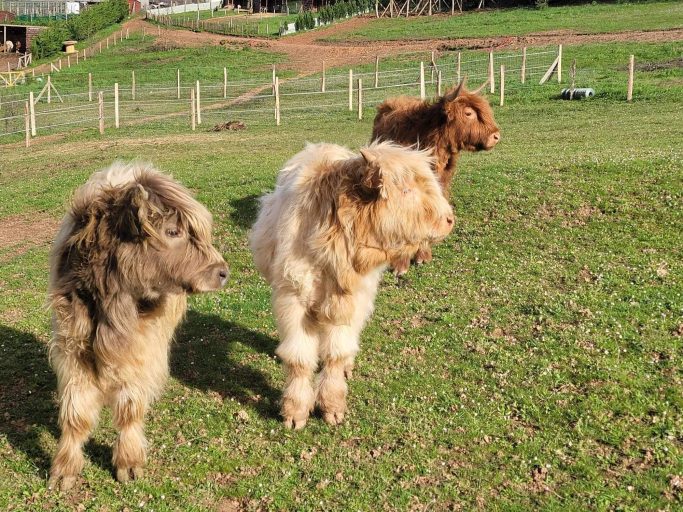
column 172, row 233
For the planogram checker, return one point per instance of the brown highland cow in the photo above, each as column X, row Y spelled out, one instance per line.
column 459, row 120
column 322, row 240
column 131, row 248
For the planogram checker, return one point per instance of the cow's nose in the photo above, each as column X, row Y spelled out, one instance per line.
column 493, row 140
column 450, row 220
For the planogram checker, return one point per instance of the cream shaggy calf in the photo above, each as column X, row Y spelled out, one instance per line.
column 132, row 246
column 322, row 240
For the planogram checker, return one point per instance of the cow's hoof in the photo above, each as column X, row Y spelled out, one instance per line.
column 295, row 423
column 126, row 474
column 334, row 418
column 61, row 483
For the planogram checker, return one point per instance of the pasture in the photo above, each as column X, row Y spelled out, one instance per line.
column 534, row 364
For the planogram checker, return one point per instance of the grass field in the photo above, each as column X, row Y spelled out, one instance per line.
column 535, row 364
column 583, row 19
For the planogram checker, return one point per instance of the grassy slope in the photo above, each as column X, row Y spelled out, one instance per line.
column 600, row 18
column 532, row 364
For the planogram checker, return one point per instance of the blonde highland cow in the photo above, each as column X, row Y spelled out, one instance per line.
column 132, row 246
column 322, row 239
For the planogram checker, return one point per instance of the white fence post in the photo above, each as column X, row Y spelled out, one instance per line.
column 422, row 80
column 116, row 105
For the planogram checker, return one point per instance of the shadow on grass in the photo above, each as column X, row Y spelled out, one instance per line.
column 209, row 353
column 27, row 404
column 205, row 357
column 245, row 211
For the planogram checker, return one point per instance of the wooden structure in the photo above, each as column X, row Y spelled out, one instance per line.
column 70, row 46
column 23, row 34
column 398, row 8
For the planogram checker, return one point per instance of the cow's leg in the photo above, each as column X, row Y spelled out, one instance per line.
column 80, row 402
column 424, row 254
column 339, row 345
column 129, row 405
column 298, row 350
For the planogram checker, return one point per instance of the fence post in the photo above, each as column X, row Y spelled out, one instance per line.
column 631, row 69
column 273, row 80
column 432, row 66
column 322, row 84
column 116, row 105
column 32, row 107
column 438, row 83
column 193, row 105
column 523, row 78
column 27, row 124
column 49, row 87
column 225, row 82
column 502, row 85
column 178, row 81
column 68, row 61
column 360, row 99
column 89, row 86
column 559, row 64
column 277, row 101
column 132, row 87
column 100, row 101
column 422, row 80
column 350, row 90
column 492, row 76
column 376, row 71
column 199, row 104
column 459, row 58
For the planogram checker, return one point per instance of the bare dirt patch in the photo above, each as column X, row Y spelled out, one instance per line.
column 19, row 233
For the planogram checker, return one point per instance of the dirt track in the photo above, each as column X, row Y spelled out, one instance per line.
column 306, row 50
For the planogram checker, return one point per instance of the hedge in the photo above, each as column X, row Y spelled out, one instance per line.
column 78, row 27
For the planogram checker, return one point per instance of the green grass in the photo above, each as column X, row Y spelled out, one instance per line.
column 534, row 364
column 583, row 19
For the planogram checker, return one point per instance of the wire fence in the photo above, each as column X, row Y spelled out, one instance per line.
column 175, row 98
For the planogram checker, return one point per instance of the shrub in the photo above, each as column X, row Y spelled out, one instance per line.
column 79, row 27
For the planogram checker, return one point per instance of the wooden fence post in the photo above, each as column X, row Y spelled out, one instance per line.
column 502, row 85
column 360, row 99
column 193, row 105
column 27, row 124
column 100, row 101
column 322, row 83
column 376, row 71
column 116, row 105
column 89, row 86
column 438, row 83
column 492, row 76
column 225, row 82
column 631, row 69
column 459, row 59
column 199, row 104
column 32, row 111
column 422, row 80
column 273, row 80
column 277, row 101
column 559, row 64
column 178, row 81
column 68, row 61
column 132, row 87
column 49, row 87
column 350, row 90
column 523, row 77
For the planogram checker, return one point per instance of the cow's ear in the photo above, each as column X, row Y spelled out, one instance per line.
column 372, row 178
column 132, row 221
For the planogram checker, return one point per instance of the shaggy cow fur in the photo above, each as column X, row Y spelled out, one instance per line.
column 322, row 240
column 459, row 120
column 130, row 249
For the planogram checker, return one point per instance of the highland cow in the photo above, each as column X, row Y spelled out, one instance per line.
column 458, row 121
column 132, row 246
column 322, row 240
